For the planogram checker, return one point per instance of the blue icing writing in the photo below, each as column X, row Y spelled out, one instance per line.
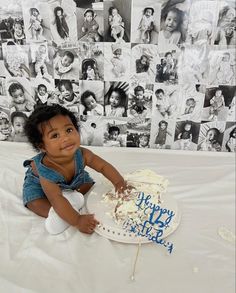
column 158, row 219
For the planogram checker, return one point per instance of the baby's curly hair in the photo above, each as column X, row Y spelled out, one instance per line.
column 43, row 114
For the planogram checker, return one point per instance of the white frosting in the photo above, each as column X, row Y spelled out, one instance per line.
column 145, row 181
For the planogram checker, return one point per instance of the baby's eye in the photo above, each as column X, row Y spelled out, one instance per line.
column 68, row 130
column 55, row 135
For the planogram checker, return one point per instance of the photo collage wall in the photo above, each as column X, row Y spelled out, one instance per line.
column 144, row 73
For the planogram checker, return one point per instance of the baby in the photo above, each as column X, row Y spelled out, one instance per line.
column 18, row 120
column 225, row 73
column 41, row 57
column 90, row 27
column 117, row 61
column 186, row 136
column 61, row 24
column 18, row 32
column 211, row 141
column 143, row 141
column 200, row 31
column 142, row 64
column 189, row 106
column 19, row 100
column 5, row 128
column 42, row 95
column 163, row 104
column 67, row 96
column 116, row 23
column 217, row 103
column 231, row 142
column 113, row 139
column 60, row 178
column 90, row 73
column 65, row 63
column 116, row 101
column 88, row 99
column 35, row 24
column 160, row 140
column 146, row 25
column 138, row 102
column 171, row 32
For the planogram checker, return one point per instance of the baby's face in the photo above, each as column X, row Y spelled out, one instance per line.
column 114, row 12
column 230, row 15
column 66, row 61
column 18, row 29
column 143, row 140
column 18, row 96
column 18, row 125
column 90, row 102
column 4, row 126
column 89, row 67
column 42, row 50
column 210, row 135
column 189, row 102
column 35, row 12
column 89, row 16
column 144, row 60
column 160, row 96
column 65, row 93
column 59, row 13
column 148, row 12
column 114, row 135
column 118, row 53
column 226, row 58
column 139, row 95
column 163, row 126
column 187, row 127
column 114, row 99
column 42, row 91
column 169, row 58
column 171, row 21
column 218, row 93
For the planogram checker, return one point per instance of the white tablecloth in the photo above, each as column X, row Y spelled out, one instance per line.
column 201, row 262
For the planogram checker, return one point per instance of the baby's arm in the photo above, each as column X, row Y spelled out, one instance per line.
column 85, row 223
column 98, row 164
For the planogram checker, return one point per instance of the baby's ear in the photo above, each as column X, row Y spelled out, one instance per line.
column 41, row 147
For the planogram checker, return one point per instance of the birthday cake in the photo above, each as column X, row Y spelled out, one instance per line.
column 147, row 190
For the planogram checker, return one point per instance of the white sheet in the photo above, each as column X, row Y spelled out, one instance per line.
column 202, row 261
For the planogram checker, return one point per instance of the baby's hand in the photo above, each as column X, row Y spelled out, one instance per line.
column 124, row 190
column 87, row 223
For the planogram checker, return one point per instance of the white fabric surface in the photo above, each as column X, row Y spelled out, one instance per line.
column 31, row 260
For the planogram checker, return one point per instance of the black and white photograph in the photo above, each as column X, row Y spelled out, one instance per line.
column 140, row 101
column 36, row 20
column 211, row 136
column 90, row 24
column 193, row 65
column 115, row 132
column 116, row 98
column 117, row 58
column 91, row 130
column 229, row 139
column 217, row 103
column 66, row 63
column 91, row 60
column 68, row 92
column 186, row 135
column 92, row 98
column 222, row 67
column 16, row 60
column 20, row 95
column 202, row 21
column 145, row 25
column 138, row 134
column 191, row 103
column 5, row 125
column 225, row 31
column 43, row 91
column 143, row 63
column 63, row 21
column 165, row 101
column 117, row 21
column 166, row 70
column 41, row 66
column 162, row 133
